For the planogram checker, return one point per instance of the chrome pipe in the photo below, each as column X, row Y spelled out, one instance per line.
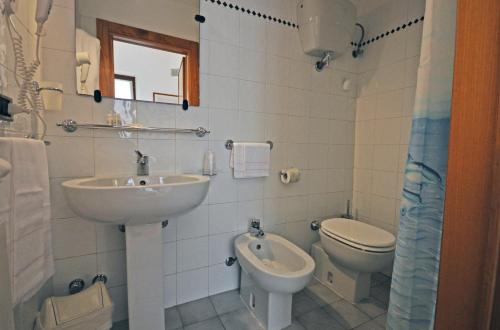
column 324, row 62
column 71, row 126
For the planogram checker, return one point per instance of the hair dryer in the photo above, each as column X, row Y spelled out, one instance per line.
column 83, row 62
column 43, row 8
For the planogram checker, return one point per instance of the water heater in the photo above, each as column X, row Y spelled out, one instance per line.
column 326, row 26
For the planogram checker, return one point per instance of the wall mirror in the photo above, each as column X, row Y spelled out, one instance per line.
column 138, row 50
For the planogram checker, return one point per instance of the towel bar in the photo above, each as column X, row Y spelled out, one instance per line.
column 229, row 144
column 70, row 126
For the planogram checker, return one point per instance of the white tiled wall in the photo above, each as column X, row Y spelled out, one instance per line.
column 256, row 85
column 387, row 74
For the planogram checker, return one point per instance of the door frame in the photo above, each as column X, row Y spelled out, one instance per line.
column 468, row 292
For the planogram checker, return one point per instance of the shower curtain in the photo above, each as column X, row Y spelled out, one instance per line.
column 416, row 263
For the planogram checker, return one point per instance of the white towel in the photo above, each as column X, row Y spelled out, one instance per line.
column 250, row 160
column 85, row 43
column 27, row 216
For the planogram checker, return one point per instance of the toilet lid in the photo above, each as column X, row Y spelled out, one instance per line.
column 358, row 232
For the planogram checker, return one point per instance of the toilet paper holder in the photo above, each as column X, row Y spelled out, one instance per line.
column 290, row 175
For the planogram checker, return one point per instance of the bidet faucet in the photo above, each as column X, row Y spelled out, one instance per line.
column 255, row 228
column 142, row 164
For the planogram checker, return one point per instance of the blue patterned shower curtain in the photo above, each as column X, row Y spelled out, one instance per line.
column 416, row 263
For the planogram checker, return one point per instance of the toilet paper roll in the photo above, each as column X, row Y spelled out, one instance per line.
column 290, row 175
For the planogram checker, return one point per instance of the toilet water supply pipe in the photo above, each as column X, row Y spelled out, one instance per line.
column 316, row 224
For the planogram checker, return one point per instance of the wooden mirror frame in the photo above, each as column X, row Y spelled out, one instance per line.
column 107, row 32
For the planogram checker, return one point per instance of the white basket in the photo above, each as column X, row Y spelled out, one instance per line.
column 88, row 310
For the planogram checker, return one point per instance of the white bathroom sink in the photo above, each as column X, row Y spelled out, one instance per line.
column 135, row 200
column 140, row 203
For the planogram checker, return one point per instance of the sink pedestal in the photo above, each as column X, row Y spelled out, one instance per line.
column 141, row 203
column 145, row 277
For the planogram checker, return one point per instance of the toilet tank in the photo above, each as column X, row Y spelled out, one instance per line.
column 326, row 26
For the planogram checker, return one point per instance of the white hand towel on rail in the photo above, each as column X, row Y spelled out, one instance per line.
column 27, row 216
column 250, row 160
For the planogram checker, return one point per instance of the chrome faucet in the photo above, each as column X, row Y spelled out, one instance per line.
column 255, row 228
column 142, row 164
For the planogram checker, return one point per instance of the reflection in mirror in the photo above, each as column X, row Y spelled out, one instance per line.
column 131, row 50
column 125, row 87
column 152, row 67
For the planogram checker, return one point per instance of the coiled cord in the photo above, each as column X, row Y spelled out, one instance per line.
column 28, row 95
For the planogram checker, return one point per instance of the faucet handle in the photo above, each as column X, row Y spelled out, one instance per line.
column 140, row 156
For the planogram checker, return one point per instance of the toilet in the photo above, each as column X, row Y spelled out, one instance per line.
column 272, row 270
column 348, row 252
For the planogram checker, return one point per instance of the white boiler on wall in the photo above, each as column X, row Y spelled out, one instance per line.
column 326, row 26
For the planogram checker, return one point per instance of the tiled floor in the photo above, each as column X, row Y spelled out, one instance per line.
column 314, row 308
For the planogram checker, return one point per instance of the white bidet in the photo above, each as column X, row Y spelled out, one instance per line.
column 272, row 270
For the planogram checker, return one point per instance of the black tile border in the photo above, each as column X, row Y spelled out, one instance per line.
column 389, row 32
column 254, row 13
column 284, row 22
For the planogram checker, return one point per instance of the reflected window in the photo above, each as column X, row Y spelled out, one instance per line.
column 125, row 87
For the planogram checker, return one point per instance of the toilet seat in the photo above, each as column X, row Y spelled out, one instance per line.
column 359, row 235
